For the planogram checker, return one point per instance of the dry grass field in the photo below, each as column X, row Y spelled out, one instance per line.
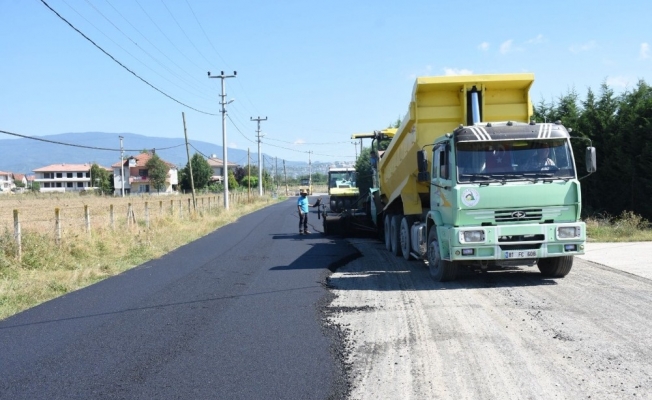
column 49, row 266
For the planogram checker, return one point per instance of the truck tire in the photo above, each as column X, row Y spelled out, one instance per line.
column 440, row 270
column 555, row 267
column 395, row 228
column 388, row 231
column 404, row 237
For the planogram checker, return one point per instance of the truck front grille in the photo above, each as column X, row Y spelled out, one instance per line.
column 523, row 215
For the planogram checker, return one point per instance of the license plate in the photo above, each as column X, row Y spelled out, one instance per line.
column 520, row 254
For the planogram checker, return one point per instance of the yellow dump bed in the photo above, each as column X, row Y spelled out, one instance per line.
column 438, row 106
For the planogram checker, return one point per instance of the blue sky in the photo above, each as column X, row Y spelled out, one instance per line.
column 318, row 71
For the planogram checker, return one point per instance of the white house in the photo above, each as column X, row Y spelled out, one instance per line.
column 217, row 165
column 63, row 177
column 136, row 176
column 6, row 182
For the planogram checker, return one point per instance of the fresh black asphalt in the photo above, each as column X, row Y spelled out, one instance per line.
column 233, row 315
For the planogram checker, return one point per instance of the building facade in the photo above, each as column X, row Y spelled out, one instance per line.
column 63, row 177
column 136, row 176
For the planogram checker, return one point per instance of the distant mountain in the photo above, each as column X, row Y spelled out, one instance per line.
column 24, row 155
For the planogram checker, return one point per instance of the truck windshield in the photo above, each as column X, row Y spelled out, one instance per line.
column 514, row 160
column 344, row 179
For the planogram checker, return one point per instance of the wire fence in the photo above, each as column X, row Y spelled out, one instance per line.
column 66, row 217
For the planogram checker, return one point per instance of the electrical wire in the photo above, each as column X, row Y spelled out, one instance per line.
column 122, row 65
column 80, row 145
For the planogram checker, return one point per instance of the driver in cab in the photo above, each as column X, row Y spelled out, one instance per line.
column 540, row 161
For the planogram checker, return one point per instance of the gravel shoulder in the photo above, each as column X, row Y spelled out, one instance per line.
column 508, row 334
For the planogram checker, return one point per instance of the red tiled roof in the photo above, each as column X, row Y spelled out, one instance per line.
column 141, row 160
column 64, row 168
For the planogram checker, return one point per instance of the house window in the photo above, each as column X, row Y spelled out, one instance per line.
column 59, row 175
column 46, row 184
column 58, row 184
column 69, row 175
column 47, row 175
column 142, row 173
column 69, row 184
column 80, row 174
column 80, row 184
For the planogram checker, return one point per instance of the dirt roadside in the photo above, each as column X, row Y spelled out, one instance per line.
column 508, row 334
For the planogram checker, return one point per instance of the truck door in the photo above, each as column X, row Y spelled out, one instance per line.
column 441, row 199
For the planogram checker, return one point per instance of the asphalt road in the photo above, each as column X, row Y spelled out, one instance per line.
column 234, row 315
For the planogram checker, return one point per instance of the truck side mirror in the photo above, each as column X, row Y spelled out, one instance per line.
column 590, row 159
column 422, row 166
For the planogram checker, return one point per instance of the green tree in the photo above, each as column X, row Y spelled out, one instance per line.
column 249, row 181
column 233, row 184
column 36, row 187
column 201, row 173
column 101, row 179
column 157, row 171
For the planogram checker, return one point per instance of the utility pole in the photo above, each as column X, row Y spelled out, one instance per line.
column 285, row 174
column 122, row 168
column 309, row 171
column 192, row 181
column 248, row 177
column 223, row 103
column 276, row 173
column 260, row 165
column 356, row 150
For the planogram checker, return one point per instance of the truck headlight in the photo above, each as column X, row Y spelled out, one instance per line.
column 568, row 232
column 471, row 236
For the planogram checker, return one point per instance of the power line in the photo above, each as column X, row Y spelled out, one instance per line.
column 204, row 96
column 184, row 32
column 122, row 65
column 153, row 45
column 80, row 145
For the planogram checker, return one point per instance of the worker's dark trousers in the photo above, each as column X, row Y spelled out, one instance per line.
column 303, row 222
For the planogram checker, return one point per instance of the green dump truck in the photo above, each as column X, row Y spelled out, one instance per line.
column 469, row 180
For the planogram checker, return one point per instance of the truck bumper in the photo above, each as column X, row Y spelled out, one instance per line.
column 513, row 242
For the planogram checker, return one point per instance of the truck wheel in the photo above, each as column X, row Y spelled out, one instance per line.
column 555, row 267
column 395, row 227
column 388, row 232
column 440, row 270
column 404, row 237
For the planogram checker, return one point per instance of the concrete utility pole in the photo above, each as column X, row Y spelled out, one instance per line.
column 260, row 165
column 122, row 168
column 309, row 169
column 192, row 181
column 285, row 178
column 223, row 103
column 356, row 150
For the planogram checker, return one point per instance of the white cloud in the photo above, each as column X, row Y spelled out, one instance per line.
column 618, row 81
column 538, row 39
column 644, row 52
column 299, row 141
column 506, row 46
column 484, row 46
column 583, row 47
column 455, row 72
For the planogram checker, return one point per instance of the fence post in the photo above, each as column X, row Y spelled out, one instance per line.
column 18, row 236
column 87, row 217
column 57, row 225
column 172, row 207
column 130, row 214
column 180, row 209
column 111, row 217
column 189, row 206
column 147, row 215
column 160, row 207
